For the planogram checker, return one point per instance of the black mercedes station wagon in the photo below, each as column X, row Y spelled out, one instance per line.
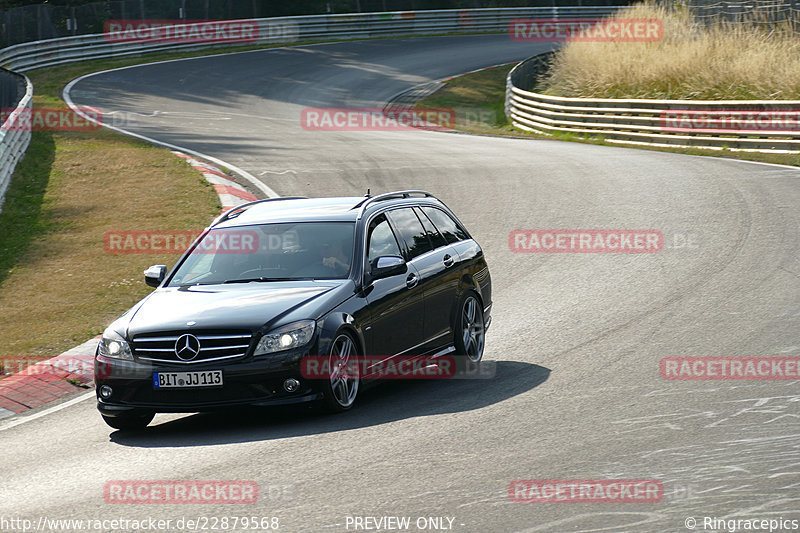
column 275, row 282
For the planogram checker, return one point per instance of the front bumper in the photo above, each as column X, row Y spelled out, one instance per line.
column 250, row 381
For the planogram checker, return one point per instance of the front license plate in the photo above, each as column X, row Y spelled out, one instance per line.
column 182, row 380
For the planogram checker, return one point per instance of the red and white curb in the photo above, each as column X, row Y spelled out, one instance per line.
column 73, row 370
column 230, row 193
column 48, row 381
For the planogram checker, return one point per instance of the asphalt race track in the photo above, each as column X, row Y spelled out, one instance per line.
column 577, row 337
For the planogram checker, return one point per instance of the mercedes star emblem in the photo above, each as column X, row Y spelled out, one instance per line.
column 187, row 347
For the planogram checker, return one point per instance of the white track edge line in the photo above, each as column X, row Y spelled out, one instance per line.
column 263, row 187
column 29, row 418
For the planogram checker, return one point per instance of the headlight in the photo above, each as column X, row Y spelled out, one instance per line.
column 291, row 336
column 113, row 345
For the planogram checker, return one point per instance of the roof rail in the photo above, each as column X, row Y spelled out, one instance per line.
column 236, row 211
column 362, row 205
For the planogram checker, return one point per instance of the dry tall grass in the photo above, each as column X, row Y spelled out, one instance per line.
column 720, row 61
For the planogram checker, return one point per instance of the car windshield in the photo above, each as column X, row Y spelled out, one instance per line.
column 269, row 252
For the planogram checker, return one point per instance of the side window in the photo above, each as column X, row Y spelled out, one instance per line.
column 433, row 234
column 381, row 239
column 447, row 226
column 410, row 231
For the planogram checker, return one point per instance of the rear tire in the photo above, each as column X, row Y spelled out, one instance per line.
column 341, row 388
column 129, row 422
column 470, row 332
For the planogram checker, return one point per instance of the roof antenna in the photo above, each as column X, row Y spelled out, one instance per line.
column 367, row 195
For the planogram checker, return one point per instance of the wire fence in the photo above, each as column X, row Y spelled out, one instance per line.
column 766, row 12
column 12, row 89
column 47, row 21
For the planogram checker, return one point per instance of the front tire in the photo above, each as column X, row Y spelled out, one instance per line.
column 470, row 332
column 129, row 422
column 341, row 389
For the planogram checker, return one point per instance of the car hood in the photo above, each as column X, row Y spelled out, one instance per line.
column 248, row 306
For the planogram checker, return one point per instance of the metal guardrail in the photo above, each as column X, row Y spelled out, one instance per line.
column 747, row 125
column 736, row 11
column 51, row 19
column 14, row 136
column 280, row 30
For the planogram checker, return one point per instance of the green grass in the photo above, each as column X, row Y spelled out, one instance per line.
column 58, row 287
column 21, row 219
column 476, row 98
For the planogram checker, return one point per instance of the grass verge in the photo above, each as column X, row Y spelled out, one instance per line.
column 476, row 98
column 58, row 286
column 482, row 95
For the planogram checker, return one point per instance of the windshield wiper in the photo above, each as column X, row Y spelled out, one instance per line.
column 248, row 280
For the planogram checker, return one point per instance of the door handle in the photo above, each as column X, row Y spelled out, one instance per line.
column 411, row 281
column 448, row 261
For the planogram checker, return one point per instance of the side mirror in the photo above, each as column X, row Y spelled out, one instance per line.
column 154, row 275
column 386, row 266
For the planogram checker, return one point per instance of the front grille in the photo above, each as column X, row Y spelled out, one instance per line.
column 213, row 346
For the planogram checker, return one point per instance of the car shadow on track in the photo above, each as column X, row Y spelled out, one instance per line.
column 387, row 402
